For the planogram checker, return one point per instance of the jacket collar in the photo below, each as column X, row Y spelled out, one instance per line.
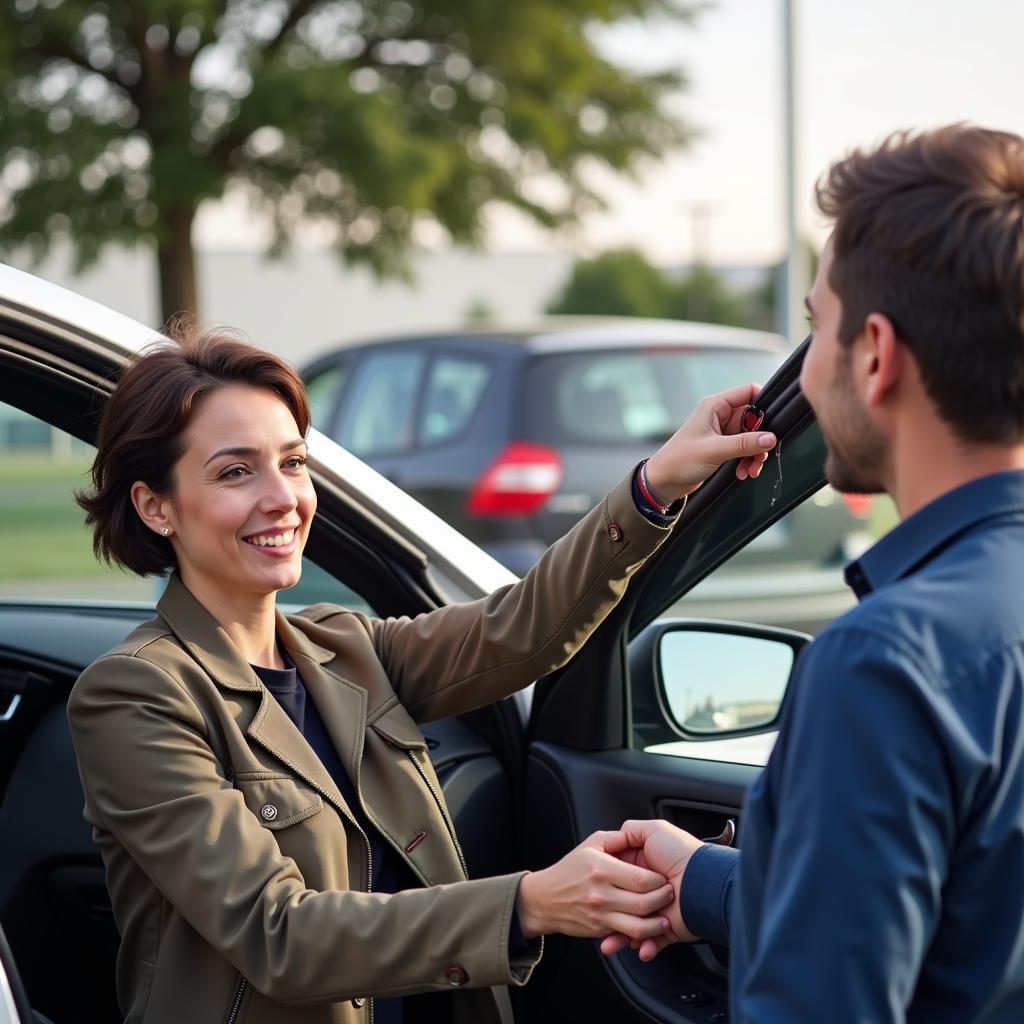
column 207, row 641
column 342, row 704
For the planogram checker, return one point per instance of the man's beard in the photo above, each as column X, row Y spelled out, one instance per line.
column 856, row 449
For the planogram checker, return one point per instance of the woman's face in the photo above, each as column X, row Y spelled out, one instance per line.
column 243, row 500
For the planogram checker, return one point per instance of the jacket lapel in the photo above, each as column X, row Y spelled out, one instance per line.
column 207, row 642
column 342, row 704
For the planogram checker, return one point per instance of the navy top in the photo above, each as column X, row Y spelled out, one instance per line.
column 390, row 873
column 882, row 873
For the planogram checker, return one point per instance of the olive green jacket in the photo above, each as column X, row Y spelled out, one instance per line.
column 237, row 873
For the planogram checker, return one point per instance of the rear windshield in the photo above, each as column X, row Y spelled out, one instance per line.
column 630, row 395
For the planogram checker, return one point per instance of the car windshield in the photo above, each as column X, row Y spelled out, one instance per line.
column 631, row 395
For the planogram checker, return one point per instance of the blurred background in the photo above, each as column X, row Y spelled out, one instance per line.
column 318, row 173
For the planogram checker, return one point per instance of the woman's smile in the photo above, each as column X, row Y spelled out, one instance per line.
column 279, row 542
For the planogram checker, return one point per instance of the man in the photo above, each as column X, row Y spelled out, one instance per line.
column 882, row 872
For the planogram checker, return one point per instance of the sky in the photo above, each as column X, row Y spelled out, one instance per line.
column 864, row 68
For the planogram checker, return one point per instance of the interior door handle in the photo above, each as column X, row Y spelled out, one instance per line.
column 7, row 713
column 727, row 836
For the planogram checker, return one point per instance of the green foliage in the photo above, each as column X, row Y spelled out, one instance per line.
column 119, row 117
column 764, row 301
column 623, row 283
column 703, row 295
column 616, row 283
column 479, row 312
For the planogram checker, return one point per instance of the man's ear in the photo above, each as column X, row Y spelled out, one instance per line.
column 153, row 509
column 883, row 358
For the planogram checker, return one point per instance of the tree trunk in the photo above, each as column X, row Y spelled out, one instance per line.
column 176, row 261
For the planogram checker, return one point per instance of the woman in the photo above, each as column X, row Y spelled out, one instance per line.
column 276, row 843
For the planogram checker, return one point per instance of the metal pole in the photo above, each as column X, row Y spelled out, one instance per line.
column 795, row 271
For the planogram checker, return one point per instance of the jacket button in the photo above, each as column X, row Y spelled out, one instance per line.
column 359, row 1002
column 615, row 532
column 268, row 812
column 456, row 975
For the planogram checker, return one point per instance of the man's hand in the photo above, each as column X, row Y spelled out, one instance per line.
column 593, row 891
column 710, row 437
column 661, row 847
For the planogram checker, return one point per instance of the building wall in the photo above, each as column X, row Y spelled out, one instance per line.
column 307, row 302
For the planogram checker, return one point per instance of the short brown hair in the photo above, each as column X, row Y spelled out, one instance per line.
column 929, row 230
column 142, row 430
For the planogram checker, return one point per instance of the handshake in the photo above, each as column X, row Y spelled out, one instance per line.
column 621, row 887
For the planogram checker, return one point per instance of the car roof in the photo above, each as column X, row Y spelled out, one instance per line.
column 571, row 333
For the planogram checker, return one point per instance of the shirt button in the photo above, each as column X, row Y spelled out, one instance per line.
column 268, row 812
column 456, row 975
column 615, row 532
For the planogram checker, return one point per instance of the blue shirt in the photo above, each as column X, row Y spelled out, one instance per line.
column 882, row 873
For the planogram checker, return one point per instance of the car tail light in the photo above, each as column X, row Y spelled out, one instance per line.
column 518, row 481
column 859, row 505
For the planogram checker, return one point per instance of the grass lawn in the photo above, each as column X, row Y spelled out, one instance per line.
column 44, row 530
column 17, row 470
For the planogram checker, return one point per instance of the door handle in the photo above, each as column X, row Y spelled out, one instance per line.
column 727, row 836
column 12, row 705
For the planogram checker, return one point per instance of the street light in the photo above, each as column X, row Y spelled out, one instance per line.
column 795, row 278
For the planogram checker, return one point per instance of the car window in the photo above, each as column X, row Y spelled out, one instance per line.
column 454, row 387
column 380, row 404
column 631, row 396
column 40, row 470
column 323, row 390
column 789, row 575
column 51, row 556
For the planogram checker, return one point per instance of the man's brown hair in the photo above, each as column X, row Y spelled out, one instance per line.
column 142, row 431
column 929, row 230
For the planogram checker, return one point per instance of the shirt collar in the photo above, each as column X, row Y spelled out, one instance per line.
column 920, row 537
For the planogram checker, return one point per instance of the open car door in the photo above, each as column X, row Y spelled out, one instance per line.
column 605, row 743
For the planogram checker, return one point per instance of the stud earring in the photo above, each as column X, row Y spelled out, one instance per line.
column 165, row 531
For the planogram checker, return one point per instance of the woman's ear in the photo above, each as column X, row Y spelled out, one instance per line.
column 153, row 509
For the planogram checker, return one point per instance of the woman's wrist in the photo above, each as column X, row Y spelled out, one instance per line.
column 650, row 499
column 529, row 922
column 661, row 491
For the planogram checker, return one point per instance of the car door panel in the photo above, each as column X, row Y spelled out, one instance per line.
column 53, row 898
column 575, row 793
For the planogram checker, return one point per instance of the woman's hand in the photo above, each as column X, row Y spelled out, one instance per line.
column 590, row 893
column 658, row 846
column 707, row 439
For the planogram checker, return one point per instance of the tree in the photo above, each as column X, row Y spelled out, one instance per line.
column 623, row 283
column 617, row 283
column 703, row 295
column 479, row 312
column 764, row 301
column 118, row 118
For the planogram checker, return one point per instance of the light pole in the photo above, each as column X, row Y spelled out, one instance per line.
column 795, row 278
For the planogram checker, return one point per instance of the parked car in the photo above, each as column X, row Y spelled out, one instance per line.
column 512, row 436
column 653, row 717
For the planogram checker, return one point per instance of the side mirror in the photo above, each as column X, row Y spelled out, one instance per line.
column 723, row 678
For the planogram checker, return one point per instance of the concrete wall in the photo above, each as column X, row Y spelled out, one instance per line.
column 309, row 301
